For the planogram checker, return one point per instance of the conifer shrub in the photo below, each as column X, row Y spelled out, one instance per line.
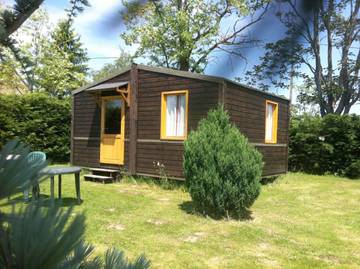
column 222, row 169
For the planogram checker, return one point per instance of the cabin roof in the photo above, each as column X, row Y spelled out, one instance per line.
column 169, row 71
column 105, row 86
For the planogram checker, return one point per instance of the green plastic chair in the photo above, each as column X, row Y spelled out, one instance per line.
column 35, row 157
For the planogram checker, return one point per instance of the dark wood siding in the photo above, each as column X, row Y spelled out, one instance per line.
column 86, row 133
column 247, row 111
column 246, row 108
column 202, row 96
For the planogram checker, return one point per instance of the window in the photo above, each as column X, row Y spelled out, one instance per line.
column 271, row 122
column 112, row 117
column 174, row 108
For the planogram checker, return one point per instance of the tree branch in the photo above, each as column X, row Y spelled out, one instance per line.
column 229, row 37
column 21, row 17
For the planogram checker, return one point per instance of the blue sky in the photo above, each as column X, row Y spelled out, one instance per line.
column 102, row 38
column 100, row 26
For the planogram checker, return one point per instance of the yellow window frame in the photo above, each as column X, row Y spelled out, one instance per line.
column 275, row 121
column 163, row 115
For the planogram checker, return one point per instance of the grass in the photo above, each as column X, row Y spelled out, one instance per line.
column 299, row 221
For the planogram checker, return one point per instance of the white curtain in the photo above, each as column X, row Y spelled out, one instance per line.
column 269, row 122
column 175, row 115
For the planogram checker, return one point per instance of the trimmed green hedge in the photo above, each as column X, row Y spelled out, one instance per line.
column 324, row 145
column 38, row 120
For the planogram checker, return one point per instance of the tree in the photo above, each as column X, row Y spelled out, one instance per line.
column 11, row 19
column 68, row 42
column 10, row 80
column 184, row 34
column 55, row 73
column 331, row 83
column 125, row 59
column 56, row 65
column 62, row 61
column 222, row 169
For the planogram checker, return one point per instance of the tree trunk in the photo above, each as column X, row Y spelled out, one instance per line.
column 318, row 67
column 184, row 64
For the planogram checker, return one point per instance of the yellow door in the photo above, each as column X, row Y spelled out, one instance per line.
column 112, row 130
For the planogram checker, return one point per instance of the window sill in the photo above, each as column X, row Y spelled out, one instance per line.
column 174, row 138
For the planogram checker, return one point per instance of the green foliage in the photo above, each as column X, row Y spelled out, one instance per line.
column 68, row 42
column 324, row 145
column 329, row 83
column 221, row 168
column 182, row 34
column 42, row 64
column 125, row 60
column 41, row 121
column 61, row 62
column 38, row 237
column 9, row 81
column 353, row 170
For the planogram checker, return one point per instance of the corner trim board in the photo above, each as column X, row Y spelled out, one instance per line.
column 134, row 87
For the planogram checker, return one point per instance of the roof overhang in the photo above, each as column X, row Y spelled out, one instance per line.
column 107, row 86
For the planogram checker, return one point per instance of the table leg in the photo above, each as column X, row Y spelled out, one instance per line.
column 59, row 186
column 52, row 188
column 77, row 186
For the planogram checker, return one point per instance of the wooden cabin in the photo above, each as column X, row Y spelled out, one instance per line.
column 142, row 115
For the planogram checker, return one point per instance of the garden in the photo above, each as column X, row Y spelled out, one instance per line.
column 225, row 214
column 298, row 221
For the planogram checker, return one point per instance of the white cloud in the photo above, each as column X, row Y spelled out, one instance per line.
column 96, row 12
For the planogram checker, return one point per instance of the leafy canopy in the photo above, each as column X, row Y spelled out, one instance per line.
column 326, row 57
column 62, row 57
column 125, row 60
column 183, row 34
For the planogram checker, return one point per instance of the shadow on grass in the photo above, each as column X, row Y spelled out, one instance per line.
column 45, row 201
column 190, row 208
column 268, row 180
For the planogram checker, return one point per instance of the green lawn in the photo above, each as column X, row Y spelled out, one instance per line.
column 299, row 221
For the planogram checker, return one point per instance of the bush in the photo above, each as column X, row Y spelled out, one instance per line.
column 324, row 145
column 221, row 168
column 353, row 170
column 38, row 120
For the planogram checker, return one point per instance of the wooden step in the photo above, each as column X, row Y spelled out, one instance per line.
column 104, row 170
column 103, row 179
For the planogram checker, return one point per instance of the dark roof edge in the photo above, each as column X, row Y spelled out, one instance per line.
column 117, row 73
column 204, row 77
column 256, row 90
column 178, row 73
